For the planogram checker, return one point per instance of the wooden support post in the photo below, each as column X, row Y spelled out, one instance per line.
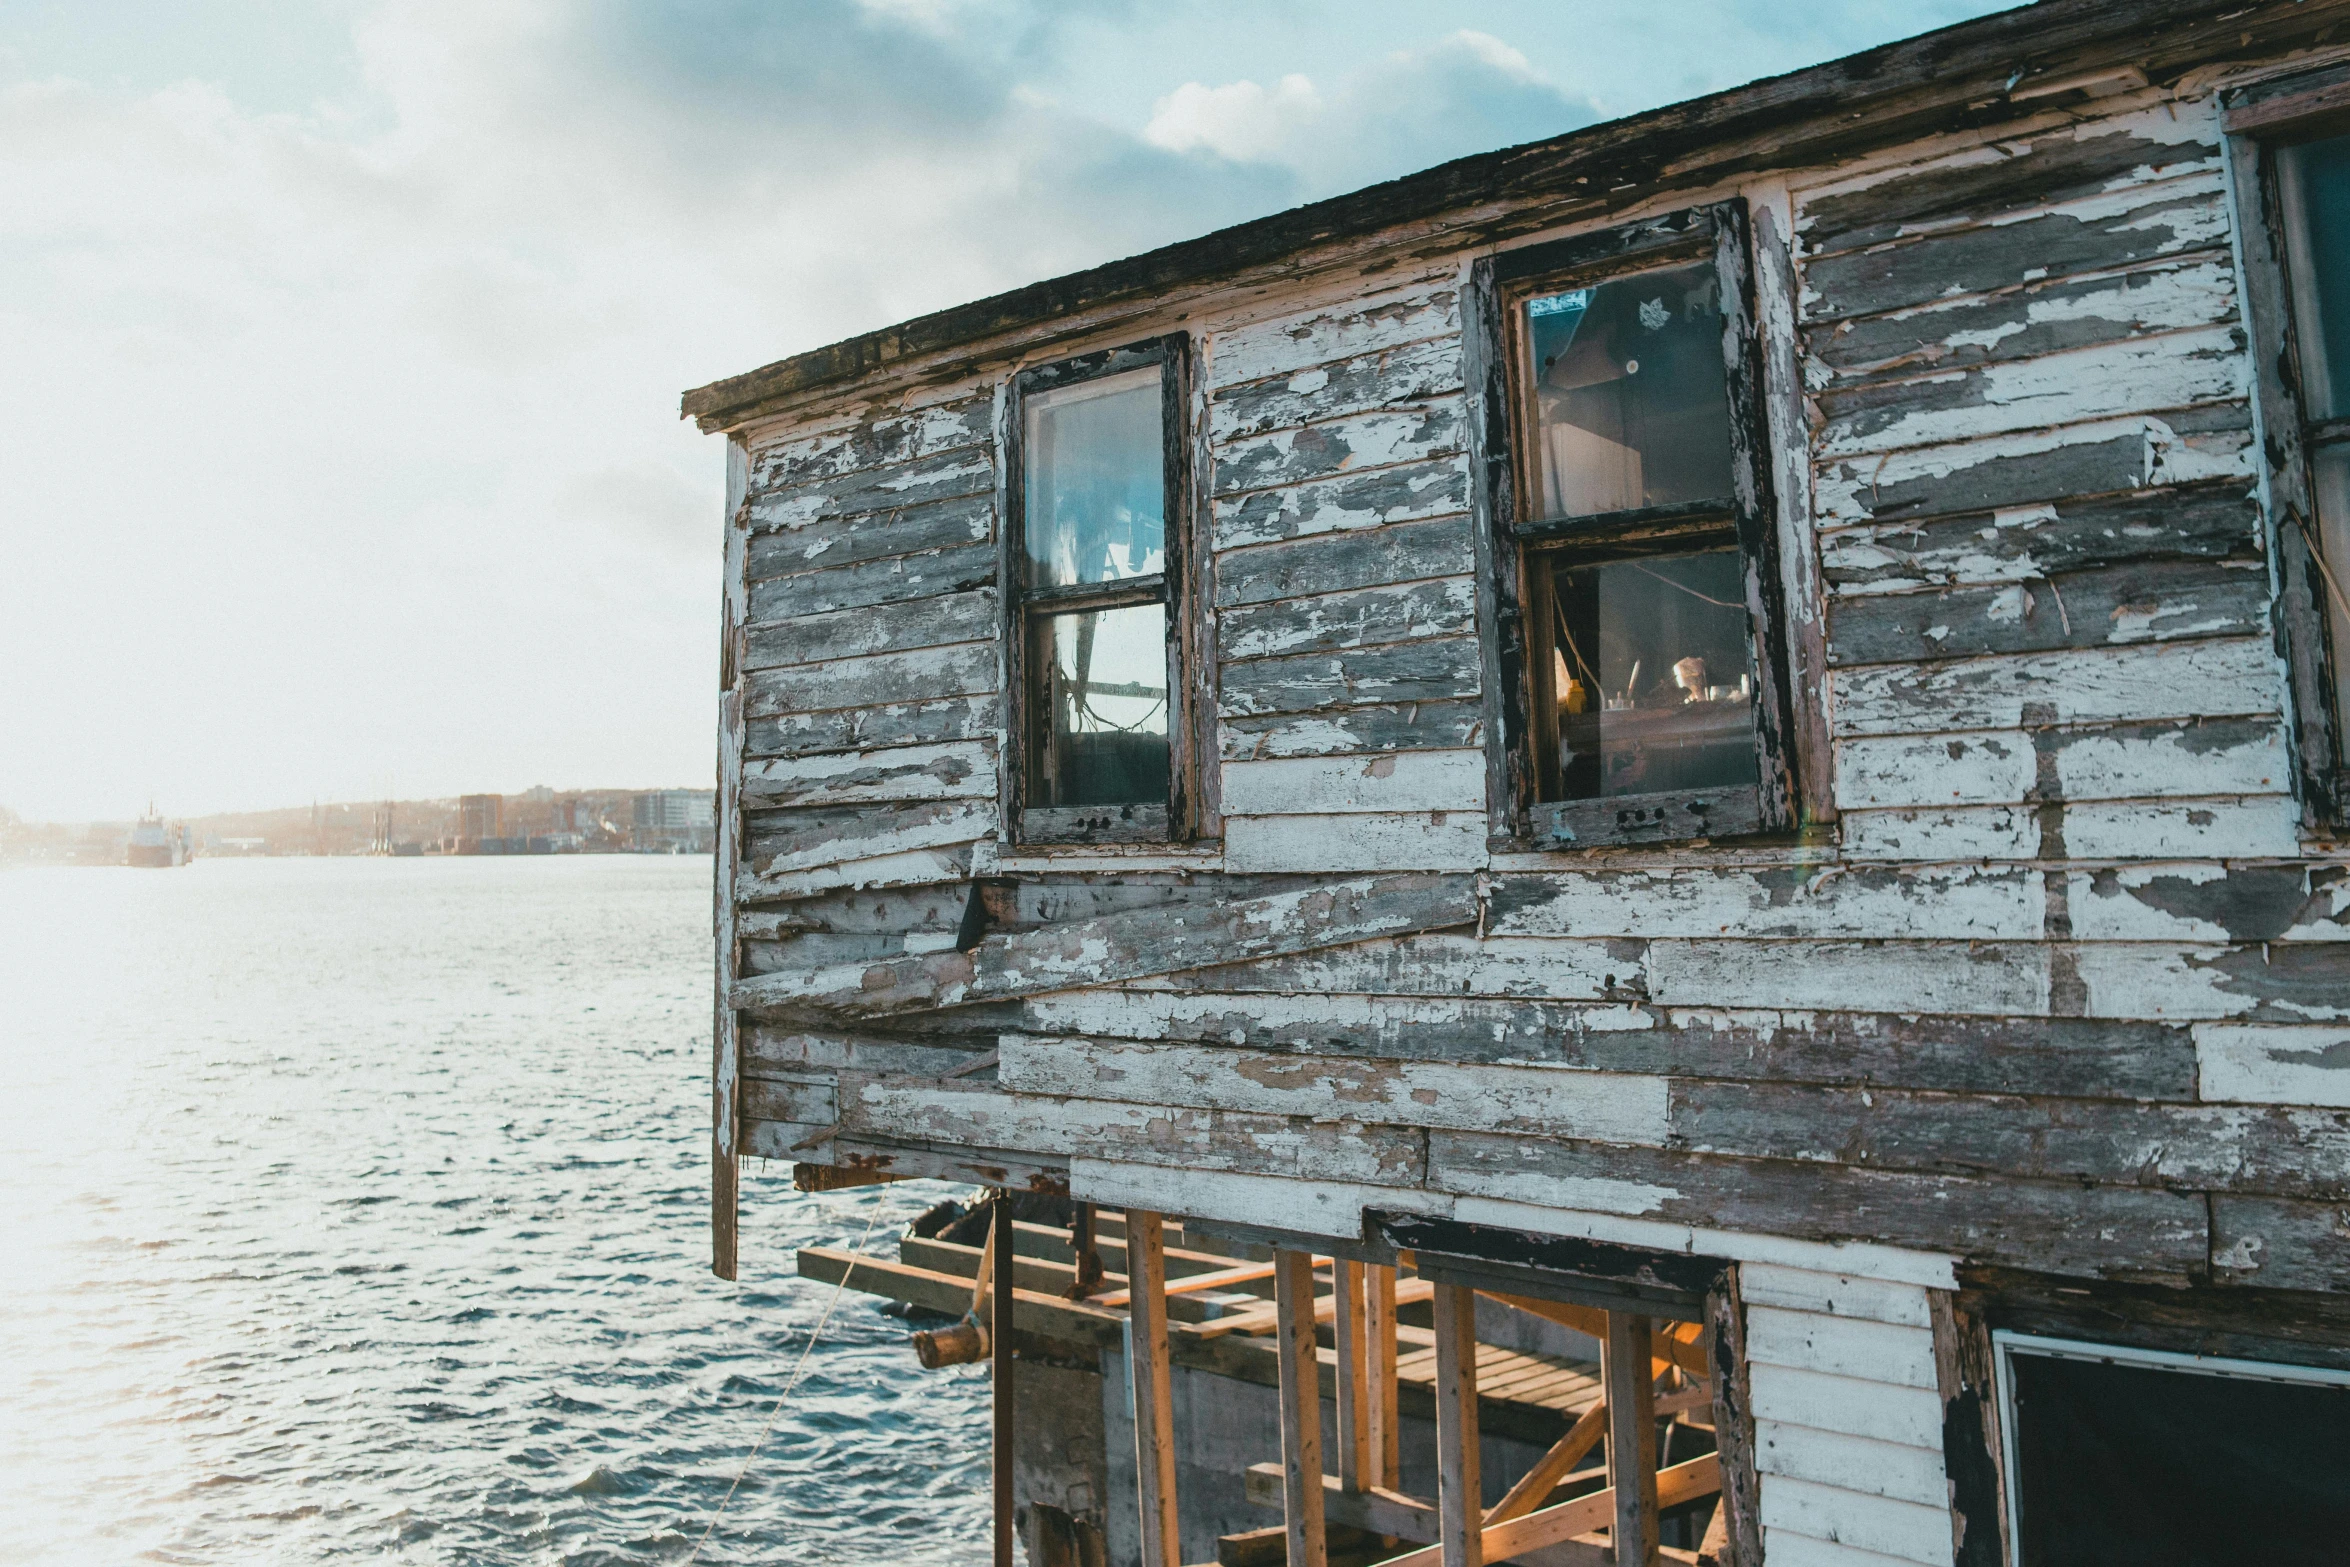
column 1386, row 1440
column 1154, row 1407
column 1630, row 1377
column 1000, row 1329
column 1460, row 1499
column 1354, row 1379
column 1301, row 1408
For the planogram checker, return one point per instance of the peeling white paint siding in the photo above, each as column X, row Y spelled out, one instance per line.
column 1848, row 1420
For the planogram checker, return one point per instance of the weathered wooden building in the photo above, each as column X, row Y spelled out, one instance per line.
column 1734, row 719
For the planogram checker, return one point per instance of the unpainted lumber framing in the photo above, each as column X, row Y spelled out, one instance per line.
column 1154, row 1405
column 1354, row 1376
column 1629, row 1373
column 1459, row 1498
column 1383, row 1436
column 1301, row 1409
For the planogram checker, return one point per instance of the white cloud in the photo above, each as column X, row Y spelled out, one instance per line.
column 1465, row 93
column 1241, row 121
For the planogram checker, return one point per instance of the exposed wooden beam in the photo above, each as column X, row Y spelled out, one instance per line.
column 1354, row 1377
column 1584, row 1515
column 1627, row 1368
column 1301, row 1409
column 1460, row 1506
column 1154, row 1408
column 1552, row 1467
column 1675, row 1343
column 1000, row 1328
column 1379, row 1338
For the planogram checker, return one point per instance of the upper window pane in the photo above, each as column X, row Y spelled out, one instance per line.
column 1631, row 398
column 1094, row 478
column 2316, row 185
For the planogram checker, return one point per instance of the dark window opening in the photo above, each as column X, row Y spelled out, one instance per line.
column 2121, row 1464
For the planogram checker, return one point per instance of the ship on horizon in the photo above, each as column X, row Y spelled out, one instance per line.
column 157, row 843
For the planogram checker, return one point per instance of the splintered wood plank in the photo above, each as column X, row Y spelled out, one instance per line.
column 1306, row 341
column 1132, row 946
column 1353, row 731
column 2221, row 678
column 1385, row 378
column 2136, row 376
column 1435, row 669
column 1460, row 1503
column 2153, row 602
column 2030, row 543
column 2024, row 323
column 2064, row 1227
column 957, row 769
column 1366, row 617
column 879, row 442
column 895, row 580
column 1301, row 1409
column 845, row 541
column 1349, row 502
column 2101, row 231
column 1990, row 180
column 1347, row 561
column 1373, row 440
column 2082, row 1057
column 888, row 628
column 2072, row 461
column 2220, row 756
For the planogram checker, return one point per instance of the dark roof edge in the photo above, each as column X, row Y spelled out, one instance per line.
column 2016, row 45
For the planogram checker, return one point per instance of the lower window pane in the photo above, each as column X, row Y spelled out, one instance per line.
column 1652, row 678
column 1100, row 707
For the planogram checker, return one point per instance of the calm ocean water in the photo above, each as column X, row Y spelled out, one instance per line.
column 356, row 1210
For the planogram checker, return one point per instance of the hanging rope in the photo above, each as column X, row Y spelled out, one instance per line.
column 806, row 1350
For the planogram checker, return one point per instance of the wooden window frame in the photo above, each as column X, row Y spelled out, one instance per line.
column 1500, row 412
column 1178, row 819
column 2259, row 120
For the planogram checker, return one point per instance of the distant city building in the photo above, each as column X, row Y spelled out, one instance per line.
column 680, row 821
column 481, row 824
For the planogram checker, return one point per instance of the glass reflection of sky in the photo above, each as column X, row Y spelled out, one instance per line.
column 1094, row 481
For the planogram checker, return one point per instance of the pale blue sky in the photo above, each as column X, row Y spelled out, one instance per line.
column 345, row 338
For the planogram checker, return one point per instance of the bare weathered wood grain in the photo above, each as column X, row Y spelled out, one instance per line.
column 2157, row 602
column 1348, row 502
column 1132, row 946
column 1436, row 669
column 1345, row 561
column 1391, row 377
column 2037, row 468
column 2079, row 158
column 2022, row 544
column 1335, row 622
column 2134, row 224
column 1373, row 440
column 2036, row 319
column 2106, row 1231
column 2072, row 1056
column 881, row 680
column 889, row 725
column 1353, row 731
column 2215, row 678
column 892, row 580
column 912, row 530
column 959, row 769
column 872, row 629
